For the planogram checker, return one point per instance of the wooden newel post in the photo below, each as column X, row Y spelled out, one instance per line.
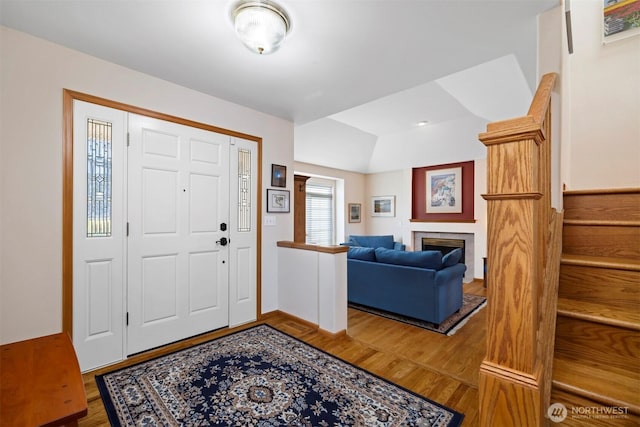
column 509, row 374
column 511, row 389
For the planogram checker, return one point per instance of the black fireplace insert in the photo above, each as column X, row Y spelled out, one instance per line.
column 443, row 245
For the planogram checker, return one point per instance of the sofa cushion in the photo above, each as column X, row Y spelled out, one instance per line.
column 452, row 258
column 423, row 259
column 373, row 241
column 362, row 253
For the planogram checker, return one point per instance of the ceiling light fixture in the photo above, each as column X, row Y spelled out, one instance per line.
column 260, row 25
column 422, row 123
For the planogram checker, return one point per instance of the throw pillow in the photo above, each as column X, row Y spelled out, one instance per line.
column 423, row 259
column 452, row 258
column 362, row 253
column 353, row 242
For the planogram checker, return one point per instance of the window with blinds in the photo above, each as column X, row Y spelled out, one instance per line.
column 320, row 217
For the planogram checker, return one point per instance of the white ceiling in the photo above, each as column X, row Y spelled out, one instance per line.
column 354, row 75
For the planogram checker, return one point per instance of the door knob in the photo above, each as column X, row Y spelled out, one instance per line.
column 223, row 241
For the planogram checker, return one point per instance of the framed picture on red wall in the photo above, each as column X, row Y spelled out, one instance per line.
column 444, row 191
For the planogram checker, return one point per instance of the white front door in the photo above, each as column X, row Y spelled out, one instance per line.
column 99, row 135
column 177, row 258
column 169, row 274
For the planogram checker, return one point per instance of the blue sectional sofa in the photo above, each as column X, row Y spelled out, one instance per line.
column 422, row 284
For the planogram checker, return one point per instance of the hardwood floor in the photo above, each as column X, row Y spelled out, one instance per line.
column 443, row 369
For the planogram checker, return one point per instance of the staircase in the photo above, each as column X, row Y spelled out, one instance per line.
column 596, row 364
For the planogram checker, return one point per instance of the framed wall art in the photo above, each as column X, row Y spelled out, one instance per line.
column 443, row 193
column 444, row 190
column 620, row 19
column 383, row 206
column 355, row 212
column 277, row 200
column 278, row 176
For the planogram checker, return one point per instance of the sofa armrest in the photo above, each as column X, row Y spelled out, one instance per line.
column 448, row 286
column 451, row 275
column 398, row 246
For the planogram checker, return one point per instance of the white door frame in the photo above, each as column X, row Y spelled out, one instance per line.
column 67, row 205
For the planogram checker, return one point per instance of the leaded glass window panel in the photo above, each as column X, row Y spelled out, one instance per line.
column 99, row 178
column 244, row 190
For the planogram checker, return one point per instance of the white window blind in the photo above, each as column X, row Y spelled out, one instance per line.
column 320, row 216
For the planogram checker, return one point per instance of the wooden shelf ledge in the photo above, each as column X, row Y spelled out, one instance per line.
column 335, row 249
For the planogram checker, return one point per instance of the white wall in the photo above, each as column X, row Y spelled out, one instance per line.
column 389, row 184
column 33, row 73
column 321, row 298
column 603, row 105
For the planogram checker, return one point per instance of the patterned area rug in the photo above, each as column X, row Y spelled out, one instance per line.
column 471, row 304
column 261, row 377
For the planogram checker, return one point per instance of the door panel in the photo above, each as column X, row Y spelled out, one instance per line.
column 159, row 288
column 203, row 207
column 243, row 287
column 99, row 285
column 243, row 230
column 159, row 204
column 178, row 196
column 201, row 266
column 99, row 137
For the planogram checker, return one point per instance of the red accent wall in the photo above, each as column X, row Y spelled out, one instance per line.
column 419, row 194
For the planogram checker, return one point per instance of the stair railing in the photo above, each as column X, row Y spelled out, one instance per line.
column 523, row 258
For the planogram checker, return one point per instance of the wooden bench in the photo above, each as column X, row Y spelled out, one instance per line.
column 41, row 383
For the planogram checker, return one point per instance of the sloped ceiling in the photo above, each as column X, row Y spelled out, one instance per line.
column 353, row 76
column 455, row 108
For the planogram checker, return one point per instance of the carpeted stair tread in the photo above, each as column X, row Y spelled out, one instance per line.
column 599, row 313
column 602, row 384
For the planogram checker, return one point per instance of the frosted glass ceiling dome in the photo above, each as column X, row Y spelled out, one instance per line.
column 260, row 25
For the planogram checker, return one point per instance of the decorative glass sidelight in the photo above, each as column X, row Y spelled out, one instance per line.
column 99, row 178
column 244, row 190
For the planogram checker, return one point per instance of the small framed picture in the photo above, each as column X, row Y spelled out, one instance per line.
column 354, row 212
column 278, row 176
column 277, row 200
column 383, row 206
